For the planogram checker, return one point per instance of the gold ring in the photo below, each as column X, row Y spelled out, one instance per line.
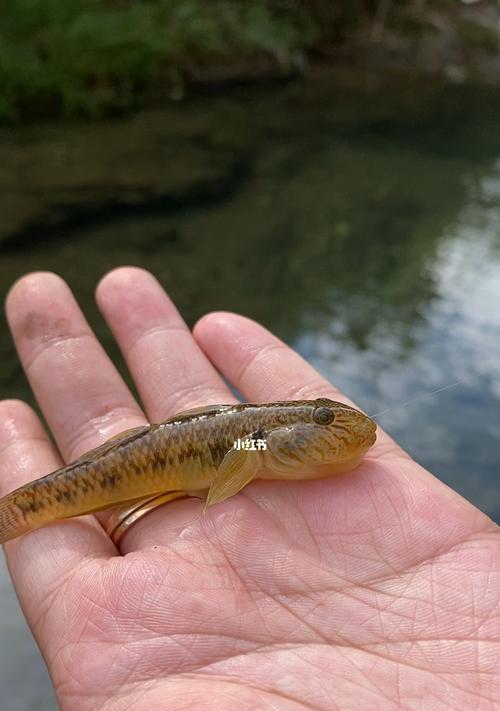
column 123, row 517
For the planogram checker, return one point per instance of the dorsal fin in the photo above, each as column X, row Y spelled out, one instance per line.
column 203, row 410
column 115, row 441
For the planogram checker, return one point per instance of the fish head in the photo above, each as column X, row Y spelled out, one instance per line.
column 334, row 439
column 349, row 430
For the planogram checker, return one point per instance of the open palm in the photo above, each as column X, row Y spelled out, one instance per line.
column 377, row 589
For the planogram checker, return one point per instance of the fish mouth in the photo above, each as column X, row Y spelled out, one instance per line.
column 362, row 448
column 364, row 436
column 361, row 435
column 372, row 435
column 367, row 436
column 353, row 458
column 367, row 432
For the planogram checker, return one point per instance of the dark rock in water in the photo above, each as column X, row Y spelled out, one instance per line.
column 53, row 177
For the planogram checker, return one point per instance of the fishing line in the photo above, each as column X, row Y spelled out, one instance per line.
column 421, row 396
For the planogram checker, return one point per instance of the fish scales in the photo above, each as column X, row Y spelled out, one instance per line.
column 181, row 454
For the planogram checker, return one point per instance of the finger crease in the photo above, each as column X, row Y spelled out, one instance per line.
column 51, row 342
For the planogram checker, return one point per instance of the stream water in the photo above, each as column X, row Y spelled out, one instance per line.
column 357, row 218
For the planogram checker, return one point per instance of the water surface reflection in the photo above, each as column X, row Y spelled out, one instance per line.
column 361, row 222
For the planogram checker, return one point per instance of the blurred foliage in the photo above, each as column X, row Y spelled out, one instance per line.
column 84, row 56
column 89, row 57
column 478, row 36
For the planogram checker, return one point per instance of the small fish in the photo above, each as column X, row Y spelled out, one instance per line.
column 210, row 452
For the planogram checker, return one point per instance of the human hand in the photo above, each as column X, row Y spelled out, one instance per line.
column 378, row 589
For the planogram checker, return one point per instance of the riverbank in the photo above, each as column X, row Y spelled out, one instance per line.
column 55, row 176
column 98, row 57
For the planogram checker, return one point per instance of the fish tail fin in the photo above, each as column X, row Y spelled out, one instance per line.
column 12, row 522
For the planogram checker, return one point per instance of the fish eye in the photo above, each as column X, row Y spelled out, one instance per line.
column 323, row 415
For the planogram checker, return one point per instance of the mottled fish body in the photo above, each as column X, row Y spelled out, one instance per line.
column 211, row 452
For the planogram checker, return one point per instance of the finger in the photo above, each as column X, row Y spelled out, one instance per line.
column 40, row 561
column 264, row 368
column 258, row 363
column 79, row 390
column 170, row 371
column 390, row 501
column 169, row 368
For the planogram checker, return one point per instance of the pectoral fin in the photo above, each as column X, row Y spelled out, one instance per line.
column 236, row 470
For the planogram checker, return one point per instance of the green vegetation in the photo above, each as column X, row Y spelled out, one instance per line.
column 90, row 57
column 479, row 36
